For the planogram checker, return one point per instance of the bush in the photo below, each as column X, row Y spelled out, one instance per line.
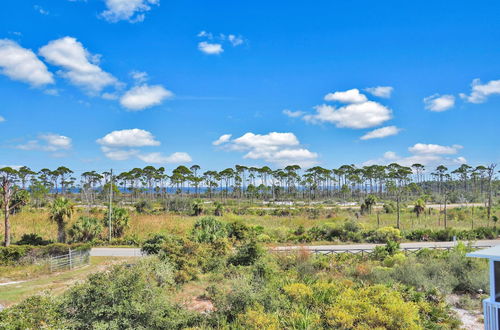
column 32, row 239
column 208, row 230
column 144, row 207
column 85, row 229
column 119, row 221
column 247, row 254
column 384, row 235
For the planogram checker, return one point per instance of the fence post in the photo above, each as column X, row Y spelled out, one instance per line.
column 70, row 261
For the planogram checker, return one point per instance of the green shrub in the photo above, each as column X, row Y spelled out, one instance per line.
column 247, row 254
column 32, row 239
column 208, row 230
column 85, row 229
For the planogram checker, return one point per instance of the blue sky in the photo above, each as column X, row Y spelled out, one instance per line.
column 117, row 84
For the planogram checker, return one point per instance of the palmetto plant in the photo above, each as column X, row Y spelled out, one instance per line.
column 61, row 211
column 419, row 207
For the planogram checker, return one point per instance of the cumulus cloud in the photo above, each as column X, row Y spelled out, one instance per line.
column 41, row 10
column 22, row 64
column 79, row 66
column 235, row 40
column 425, row 154
column 381, row 133
column 356, row 115
column 380, row 91
column 139, row 76
column 349, row 96
column 119, row 154
column 159, row 158
column 293, row 114
column 480, row 92
column 277, row 148
column 49, row 142
column 124, row 144
column 210, row 48
column 222, row 139
column 145, row 96
column 128, row 138
column 439, row 103
column 127, row 10
column 422, row 148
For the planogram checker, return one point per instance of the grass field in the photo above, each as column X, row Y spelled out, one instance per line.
column 143, row 225
column 34, row 279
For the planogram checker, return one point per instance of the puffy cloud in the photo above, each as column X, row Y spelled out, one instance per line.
column 40, row 10
column 139, row 76
column 129, row 138
column 380, row 91
column 271, row 140
column 356, row 115
column 381, row 133
column 235, row 40
column 439, row 103
column 425, row 154
column 127, row 10
column 293, row 114
column 277, row 148
column 159, row 158
column 145, row 96
column 349, row 96
column 222, row 139
column 49, row 142
column 422, row 148
column 79, row 66
column 480, row 92
column 22, row 64
column 123, row 144
column 119, row 154
column 210, row 48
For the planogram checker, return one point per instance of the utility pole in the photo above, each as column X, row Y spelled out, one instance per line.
column 110, row 210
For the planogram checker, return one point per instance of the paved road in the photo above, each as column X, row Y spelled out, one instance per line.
column 135, row 252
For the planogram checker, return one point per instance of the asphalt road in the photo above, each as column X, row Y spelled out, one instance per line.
column 135, row 252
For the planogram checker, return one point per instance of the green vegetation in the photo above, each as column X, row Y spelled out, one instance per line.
column 247, row 288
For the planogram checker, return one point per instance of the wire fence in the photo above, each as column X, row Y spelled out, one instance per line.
column 73, row 259
column 368, row 251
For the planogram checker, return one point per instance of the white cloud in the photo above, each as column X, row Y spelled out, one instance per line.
column 481, row 92
column 357, row 115
column 270, row 140
column 222, row 139
column 139, row 76
column 80, row 67
column 128, row 138
column 293, row 114
column 48, row 142
column 210, row 48
column 22, row 64
column 127, row 10
column 422, row 148
column 235, row 40
column 381, row 133
column 40, row 10
column 425, row 154
column 2, row 119
column 349, row 96
column 145, row 96
column 439, row 103
column 159, row 158
column 205, row 34
column 380, row 91
column 119, row 154
column 277, row 148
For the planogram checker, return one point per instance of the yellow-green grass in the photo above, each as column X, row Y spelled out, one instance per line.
column 41, row 280
column 143, row 225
